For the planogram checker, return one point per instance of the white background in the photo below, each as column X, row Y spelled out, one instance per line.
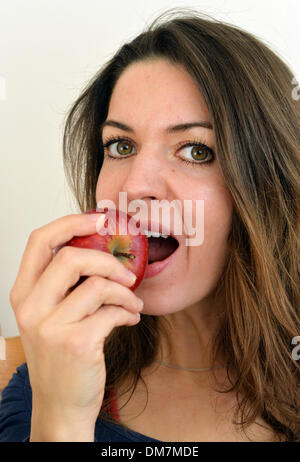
column 49, row 49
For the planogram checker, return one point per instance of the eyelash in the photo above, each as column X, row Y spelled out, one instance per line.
column 111, row 140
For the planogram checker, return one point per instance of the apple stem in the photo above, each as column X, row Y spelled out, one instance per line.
column 123, row 254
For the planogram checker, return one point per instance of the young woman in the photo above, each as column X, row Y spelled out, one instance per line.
column 210, row 357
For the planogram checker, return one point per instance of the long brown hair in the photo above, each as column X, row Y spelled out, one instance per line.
column 248, row 91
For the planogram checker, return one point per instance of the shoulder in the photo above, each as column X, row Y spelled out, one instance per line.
column 15, row 407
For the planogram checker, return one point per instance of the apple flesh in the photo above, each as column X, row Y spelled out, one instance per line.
column 130, row 249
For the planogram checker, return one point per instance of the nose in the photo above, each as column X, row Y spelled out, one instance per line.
column 147, row 176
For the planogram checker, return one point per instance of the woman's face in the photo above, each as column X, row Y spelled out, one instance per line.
column 148, row 97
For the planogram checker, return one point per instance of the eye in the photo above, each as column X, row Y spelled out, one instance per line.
column 201, row 154
column 123, row 147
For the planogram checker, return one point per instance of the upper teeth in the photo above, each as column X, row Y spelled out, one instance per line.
column 155, row 234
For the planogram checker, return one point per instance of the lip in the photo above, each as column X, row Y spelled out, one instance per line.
column 157, row 267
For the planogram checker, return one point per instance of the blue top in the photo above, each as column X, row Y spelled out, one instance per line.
column 16, row 408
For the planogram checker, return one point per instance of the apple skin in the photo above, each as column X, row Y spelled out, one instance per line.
column 134, row 246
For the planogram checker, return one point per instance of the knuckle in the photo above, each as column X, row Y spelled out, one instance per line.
column 97, row 282
column 67, row 255
column 111, row 292
column 111, row 315
column 13, row 298
column 22, row 319
column 113, row 311
column 128, row 295
column 118, row 315
column 34, row 235
column 117, row 294
column 123, row 317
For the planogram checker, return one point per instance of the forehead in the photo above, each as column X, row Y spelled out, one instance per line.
column 157, row 92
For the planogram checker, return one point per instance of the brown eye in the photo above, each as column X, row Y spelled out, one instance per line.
column 116, row 148
column 123, row 147
column 199, row 153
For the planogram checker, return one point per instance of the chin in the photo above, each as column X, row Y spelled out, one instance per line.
column 160, row 309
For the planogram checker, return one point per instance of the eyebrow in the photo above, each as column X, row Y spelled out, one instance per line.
column 170, row 129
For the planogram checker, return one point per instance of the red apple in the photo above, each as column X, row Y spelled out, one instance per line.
column 129, row 249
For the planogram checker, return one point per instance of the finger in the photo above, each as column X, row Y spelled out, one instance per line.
column 92, row 295
column 65, row 270
column 96, row 328
column 41, row 246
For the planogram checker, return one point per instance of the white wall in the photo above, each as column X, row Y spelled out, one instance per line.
column 49, row 49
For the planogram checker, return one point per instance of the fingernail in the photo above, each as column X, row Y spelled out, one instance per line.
column 140, row 303
column 99, row 219
column 131, row 277
column 94, row 216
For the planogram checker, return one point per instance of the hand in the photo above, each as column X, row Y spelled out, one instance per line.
column 63, row 330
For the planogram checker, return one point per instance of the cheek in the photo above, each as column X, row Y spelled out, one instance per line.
column 104, row 184
column 100, row 189
column 218, row 210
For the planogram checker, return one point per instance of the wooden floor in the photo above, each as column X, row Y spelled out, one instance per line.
column 12, row 356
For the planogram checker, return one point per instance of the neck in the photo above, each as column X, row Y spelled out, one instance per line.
column 187, row 337
column 197, row 369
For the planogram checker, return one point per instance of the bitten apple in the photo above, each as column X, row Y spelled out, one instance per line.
column 130, row 249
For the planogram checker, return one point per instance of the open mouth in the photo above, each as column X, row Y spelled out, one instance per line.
column 160, row 248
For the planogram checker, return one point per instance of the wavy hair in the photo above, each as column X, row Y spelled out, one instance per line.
column 247, row 88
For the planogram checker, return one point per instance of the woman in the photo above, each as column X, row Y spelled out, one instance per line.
column 210, row 357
